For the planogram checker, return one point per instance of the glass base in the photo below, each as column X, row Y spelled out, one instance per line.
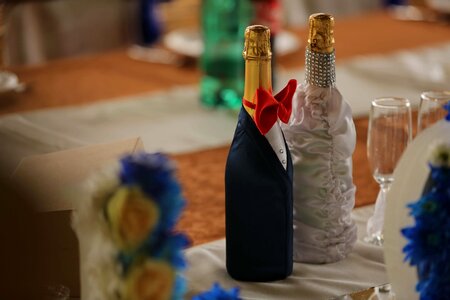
column 375, row 239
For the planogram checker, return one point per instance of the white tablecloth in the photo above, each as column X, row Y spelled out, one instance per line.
column 364, row 268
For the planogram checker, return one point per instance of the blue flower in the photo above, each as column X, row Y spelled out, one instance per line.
column 170, row 248
column 426, row 206
column 154, row 174
column 425, row 243
column 434, row 286
column 441, row 175
column 428, row 245
column 180, row 287
column 429, row 238
column 447, row 107
column 150, row 170
column 218, row 293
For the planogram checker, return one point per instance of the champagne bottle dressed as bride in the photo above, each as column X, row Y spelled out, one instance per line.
column 258, row 175
column 321, row 137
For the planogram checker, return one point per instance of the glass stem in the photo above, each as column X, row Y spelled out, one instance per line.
column 385, row 187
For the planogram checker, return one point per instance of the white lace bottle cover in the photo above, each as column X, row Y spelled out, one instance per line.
column 321, row 137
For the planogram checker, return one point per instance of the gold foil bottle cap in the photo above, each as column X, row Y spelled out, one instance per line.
column 257, row 43
column 321, row 30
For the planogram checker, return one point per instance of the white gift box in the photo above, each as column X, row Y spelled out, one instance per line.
column 52, row 183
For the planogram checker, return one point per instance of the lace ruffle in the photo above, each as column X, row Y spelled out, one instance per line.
column 321, row 137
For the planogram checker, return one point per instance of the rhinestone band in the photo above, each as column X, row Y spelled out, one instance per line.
column 320, row 68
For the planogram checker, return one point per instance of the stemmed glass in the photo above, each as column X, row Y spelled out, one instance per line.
column 431, row 108
column 390, row 131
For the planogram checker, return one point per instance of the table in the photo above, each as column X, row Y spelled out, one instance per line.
column 104, row 76
column 99, row 78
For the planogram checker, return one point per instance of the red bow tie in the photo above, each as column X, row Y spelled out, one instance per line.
column 269, row 108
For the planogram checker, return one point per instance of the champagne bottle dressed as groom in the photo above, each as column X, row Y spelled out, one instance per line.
column 258, row 176
column 321, row 136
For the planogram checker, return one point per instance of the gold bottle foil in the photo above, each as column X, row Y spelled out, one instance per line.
column 321, row 30
column 257, row 43
column 257, row 55
column 320, row 55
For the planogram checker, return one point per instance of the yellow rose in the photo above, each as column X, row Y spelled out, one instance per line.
column 152, row 280
column 132, row 216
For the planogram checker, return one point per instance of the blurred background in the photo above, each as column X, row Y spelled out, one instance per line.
column 36, row 31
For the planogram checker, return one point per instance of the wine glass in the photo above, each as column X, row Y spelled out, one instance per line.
column 390, row 131
column 431, row 108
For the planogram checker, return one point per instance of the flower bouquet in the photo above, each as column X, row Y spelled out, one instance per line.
column 428, row 245
column 416, row 234
column 128, row 246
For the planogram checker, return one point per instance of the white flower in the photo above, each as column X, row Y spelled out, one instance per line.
column 100, row 272
column 440, row 155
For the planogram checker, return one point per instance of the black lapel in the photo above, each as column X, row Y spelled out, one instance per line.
column 263, row 144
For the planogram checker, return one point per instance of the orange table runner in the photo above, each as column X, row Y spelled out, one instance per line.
column 202, row 177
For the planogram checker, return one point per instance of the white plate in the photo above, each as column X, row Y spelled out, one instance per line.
column 9, row 82
column 442, row 6
column 189, row 42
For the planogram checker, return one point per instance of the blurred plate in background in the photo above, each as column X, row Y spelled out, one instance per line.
column 189, row 42
column 9, row 82
column 442, row 6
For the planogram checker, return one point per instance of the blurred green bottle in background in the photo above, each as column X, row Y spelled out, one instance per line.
column 223, row 26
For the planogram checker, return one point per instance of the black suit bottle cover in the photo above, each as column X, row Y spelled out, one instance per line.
column 258, row 176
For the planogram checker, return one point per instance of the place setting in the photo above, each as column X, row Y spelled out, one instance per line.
column 9, row 82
